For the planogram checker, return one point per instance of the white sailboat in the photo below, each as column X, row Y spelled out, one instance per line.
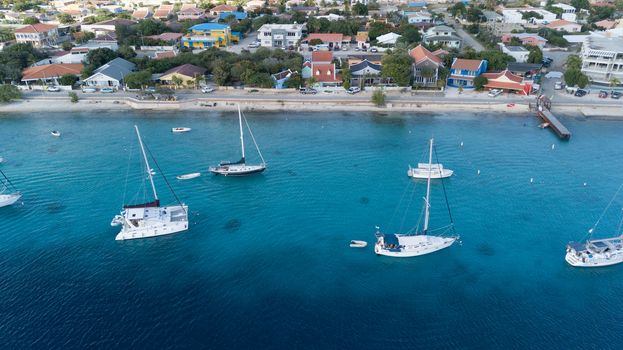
column 429, row 170
column 8, row 193
column 150, row 219
column 404, row 245
column 597, row 252
column 240, row 168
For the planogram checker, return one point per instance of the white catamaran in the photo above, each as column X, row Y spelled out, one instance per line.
column 597, row 252
column 8, row 193
column 240, row 168
column 150, row 219
column 404, row 245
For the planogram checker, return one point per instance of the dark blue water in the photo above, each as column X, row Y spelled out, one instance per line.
column 266, row 262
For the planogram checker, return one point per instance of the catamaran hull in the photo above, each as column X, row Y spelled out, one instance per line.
column 153, row 231
column 247, row 170
column 597, row 260
column 436, row 244
column 151, row 222
column 9, row 199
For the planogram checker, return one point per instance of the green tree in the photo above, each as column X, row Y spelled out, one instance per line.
column 177, row 81
column 359, row 9
column 346, row 76
column 65, row 18
column 73, row 97
column 397, row 66
column 410, row 34
column 66, row 46
column 574, row 62
column 68, row 80
column 378, row 98
column 151, row 27
column 126, row 52
column 583, row 80
column 535, row 55
column 480, row 82
column 98, row 57
column 137, row 80
column 377, row 29
column 457, row 9
column 614, row 82
column 30, row 20
column 531, row 14
column 580, row 4
column 221, row 73
column 314, row 42
column 9, row 93
column 474, row 15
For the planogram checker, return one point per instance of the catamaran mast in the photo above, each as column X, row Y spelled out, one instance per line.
column 241, row 135
column 427, row 203
column 151, row 179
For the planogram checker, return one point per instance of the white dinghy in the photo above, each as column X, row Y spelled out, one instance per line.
column 55, row 133
column 358, row 244
column 8, row 193
column 188, row 176
column 404, row 245
column 180, row 130
column 240, row 168
column 150, row 219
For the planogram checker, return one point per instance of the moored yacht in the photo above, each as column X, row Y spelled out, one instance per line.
column 595, row 253
column 8, row 193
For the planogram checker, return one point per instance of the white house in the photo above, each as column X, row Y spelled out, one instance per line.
column 519, row 53
column 420, row 17
column 38, row 35
column 111, row 74
column 79, row 53
column 564, row 26
column 280, row 35
column 388, row 39
column 443, row 35
column 568, row 12
column 515, row 16
column 105, row 27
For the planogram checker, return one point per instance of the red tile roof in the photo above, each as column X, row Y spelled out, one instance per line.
column 322, row 56
column 224, row 8
column 163, row 11
column 36, row 28
column 559, row 23
column 51, row 71
column 465, row 64
column 322, row 72
column 507, row 81
column 165, row 54
column 420, row 54
column 166, row 36
column 187, row 69
column 141, row 12
column 505, row 76
column 326, row 37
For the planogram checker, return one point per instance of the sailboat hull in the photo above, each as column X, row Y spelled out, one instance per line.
column 149, row 222
column 595, row 253
column 237, row 169
column 408, row 246
column 9, row 199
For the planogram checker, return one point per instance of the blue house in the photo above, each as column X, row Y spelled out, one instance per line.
column 239, row 15
column 281, row 77
column 463, row 72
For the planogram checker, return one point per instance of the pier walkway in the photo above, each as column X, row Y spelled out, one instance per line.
column 543, row 111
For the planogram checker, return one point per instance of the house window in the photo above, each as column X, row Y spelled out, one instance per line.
column 329, row 72
column 317, row 72
column 266, row 33
column 291, row 34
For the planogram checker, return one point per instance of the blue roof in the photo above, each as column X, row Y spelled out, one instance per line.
column 363, row 65
column 209, row 26
column 239, row 15
column 417, row 4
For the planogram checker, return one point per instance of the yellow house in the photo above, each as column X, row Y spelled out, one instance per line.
column 187, row 72
column 206, row 35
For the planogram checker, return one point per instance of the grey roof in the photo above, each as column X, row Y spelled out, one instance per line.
column 516, row 48
column 363, row 65
column 613, row 44
column 442, row 37
column 523, row 67
column 117, row 68
column 442, row 28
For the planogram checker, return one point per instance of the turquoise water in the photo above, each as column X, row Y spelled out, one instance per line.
column 266, row 262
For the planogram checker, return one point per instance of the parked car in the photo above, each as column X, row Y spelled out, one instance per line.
column 374, row 50
column 494, row 93
column 357, row 49
column 353, row 90
column 580, row 93
column 89, row 89
column 307, row 91
column 254, row 45
column 54, row 88
column 207, row 89
column 107, row 90
column 603, row 94
column 615, row 95
column 559, row 85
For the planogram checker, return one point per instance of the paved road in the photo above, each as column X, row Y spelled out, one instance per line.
column 468, row 40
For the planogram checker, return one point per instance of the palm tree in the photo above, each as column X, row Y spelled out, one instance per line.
column 614, row 82
column 199, row 78
column 177, row 81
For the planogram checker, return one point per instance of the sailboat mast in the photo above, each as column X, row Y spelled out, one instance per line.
column 427, row 204
column 151, row 179
column 241, row 134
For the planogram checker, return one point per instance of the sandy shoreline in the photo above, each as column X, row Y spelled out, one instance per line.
column 42, row 104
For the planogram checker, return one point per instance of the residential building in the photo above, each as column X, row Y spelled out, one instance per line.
column 187, row 72
column 372, row 58
column 331, row 17
column 216, row 11
column 79, row 53
column 325, row 75
column 38, row 35
column 280, row 35
column 308, row 10
column 388, row 39
column 206, row 35
column 507, row 81
column 164, row 54
column 362, row 40
column 515, row 15
column 425, row 66
column 365, row 73
column 334, row 40
column 519, row 53
column 363, row 2
column 607, row 24
column 562, row 25
column 141, row 13
column 50, row 73
column 105, row 27
column 493, row 21
column 463, row 72
column 168, row 37
column 602, row 57
column 524, row 69
column 322, row 57
column 238, row 15
column 163, row 12
column 526, row 39
column 443, row 35
column 191, row 13
column 111, row 74
column 420, row 17
column 568, row 11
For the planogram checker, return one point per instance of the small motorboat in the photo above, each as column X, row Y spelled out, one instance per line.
column 543, row 125
column 358, row 244
column 55, row 133
column 180, row 130
column 510, row 105
column 188, row 176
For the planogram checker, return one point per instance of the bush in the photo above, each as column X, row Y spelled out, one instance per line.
column 73, row 97
column 480, row 82
column 68, row 80
column 9, row 93
column 378, row 98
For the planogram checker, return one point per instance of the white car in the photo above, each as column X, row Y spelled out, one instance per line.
column 558, row 85
column 54, row 88
column 254, row 45
column 494, row 93
column 207, row 89
column 89, row 89
column 353, row 90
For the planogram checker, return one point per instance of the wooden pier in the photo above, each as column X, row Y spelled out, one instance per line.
column 543, row 111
